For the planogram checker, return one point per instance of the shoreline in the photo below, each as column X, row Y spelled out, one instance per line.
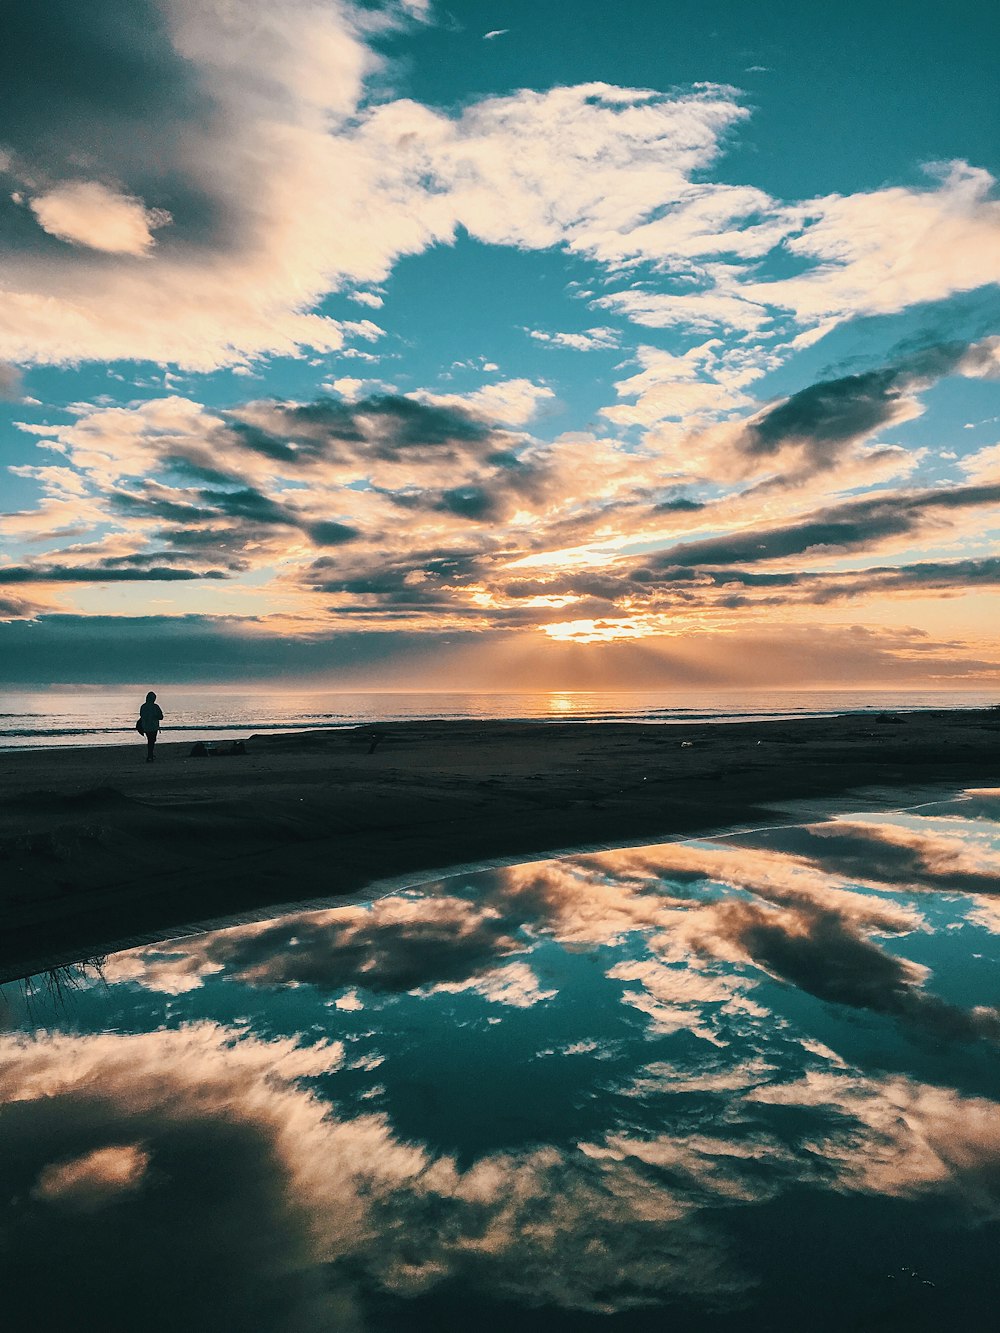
column 99, row 849
column 188, row 732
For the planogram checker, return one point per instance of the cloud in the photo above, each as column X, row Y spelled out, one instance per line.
column 15, row 608
column 696, row 312
column 187, row 186
column 588, row 341
column 104, row 574
column 510, row 402
column 291, row 1197
column 10, row 381
column 213, row 130
column 880, row 252
column 182, row 112
column 799, row 924
column 90, row 214
column 515, row 985
column 856, row 525
column 701, row 383
column 982, row 466
column 824, row 428
column 202, row 648
column 820, row 952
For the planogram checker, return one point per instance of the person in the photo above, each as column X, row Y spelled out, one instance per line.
column 150, row 715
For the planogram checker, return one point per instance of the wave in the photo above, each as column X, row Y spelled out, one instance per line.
column 342, row 723
column 296, row 725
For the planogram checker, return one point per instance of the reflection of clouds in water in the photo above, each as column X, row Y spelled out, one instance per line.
column 256, row 1186
column 780, row 909
column 825, row 955
column 918, row 854
column 890, row 1136
column 676, row 998
column 792, row 920
column 230, row 1170
column 515, row 985
column 214, row 1230
column 86, row 1184
column 900, row 1137
column 393, row 944
column 661, row 1077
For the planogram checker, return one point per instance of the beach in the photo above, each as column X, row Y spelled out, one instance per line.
column 99, row 849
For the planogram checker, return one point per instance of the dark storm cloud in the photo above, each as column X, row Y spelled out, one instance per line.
column 98, row 91
column 939, row 576
column 828, row 413
column 106, row 650
column 188, row 469
column 473, row 502
column 102, row 574
column 251, row 509
column 247, row 503
column 16, row 608
column 680, row 504
column 389, row 428
column 825, row 418
column 151, row 505
column 109, row 649
column 300, row 435
column 682, row 584
column 329, row 533
column 231, row 540
column 305, row 439
column 419, row 577
column 602, row 586
column 146, row 559
column 852, row 526
column 925, row 576
column 407, row 423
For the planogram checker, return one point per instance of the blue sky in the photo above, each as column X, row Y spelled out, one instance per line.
column 554, row 344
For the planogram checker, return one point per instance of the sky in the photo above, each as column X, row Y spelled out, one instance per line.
column 501, row 345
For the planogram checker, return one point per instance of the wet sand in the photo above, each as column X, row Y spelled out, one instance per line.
column 99, row 849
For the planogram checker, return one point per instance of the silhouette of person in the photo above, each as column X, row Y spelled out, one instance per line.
column 150, row 715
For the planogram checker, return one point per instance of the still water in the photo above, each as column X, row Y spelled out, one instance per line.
column 741, row 1084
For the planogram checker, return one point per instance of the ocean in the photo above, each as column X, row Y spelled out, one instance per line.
column 50, row 719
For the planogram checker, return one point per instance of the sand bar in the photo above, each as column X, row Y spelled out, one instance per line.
column 99, row 848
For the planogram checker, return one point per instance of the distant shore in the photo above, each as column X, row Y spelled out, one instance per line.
column 98, row 848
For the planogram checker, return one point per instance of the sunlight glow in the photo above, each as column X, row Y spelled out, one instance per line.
column 598, row 631
column 573, row 557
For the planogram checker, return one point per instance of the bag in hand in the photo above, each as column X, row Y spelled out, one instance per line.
column 139, row 727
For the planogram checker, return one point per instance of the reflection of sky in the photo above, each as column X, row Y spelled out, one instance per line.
column 742, row 1083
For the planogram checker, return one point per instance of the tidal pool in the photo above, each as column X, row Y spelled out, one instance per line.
column 743, row 1083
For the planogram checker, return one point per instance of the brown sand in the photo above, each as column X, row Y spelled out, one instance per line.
column 98, row 848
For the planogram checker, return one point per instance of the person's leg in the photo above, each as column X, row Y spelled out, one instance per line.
column 150, row 742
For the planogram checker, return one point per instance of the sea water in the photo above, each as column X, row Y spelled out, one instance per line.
column 99, row 717
column 743, row 1083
